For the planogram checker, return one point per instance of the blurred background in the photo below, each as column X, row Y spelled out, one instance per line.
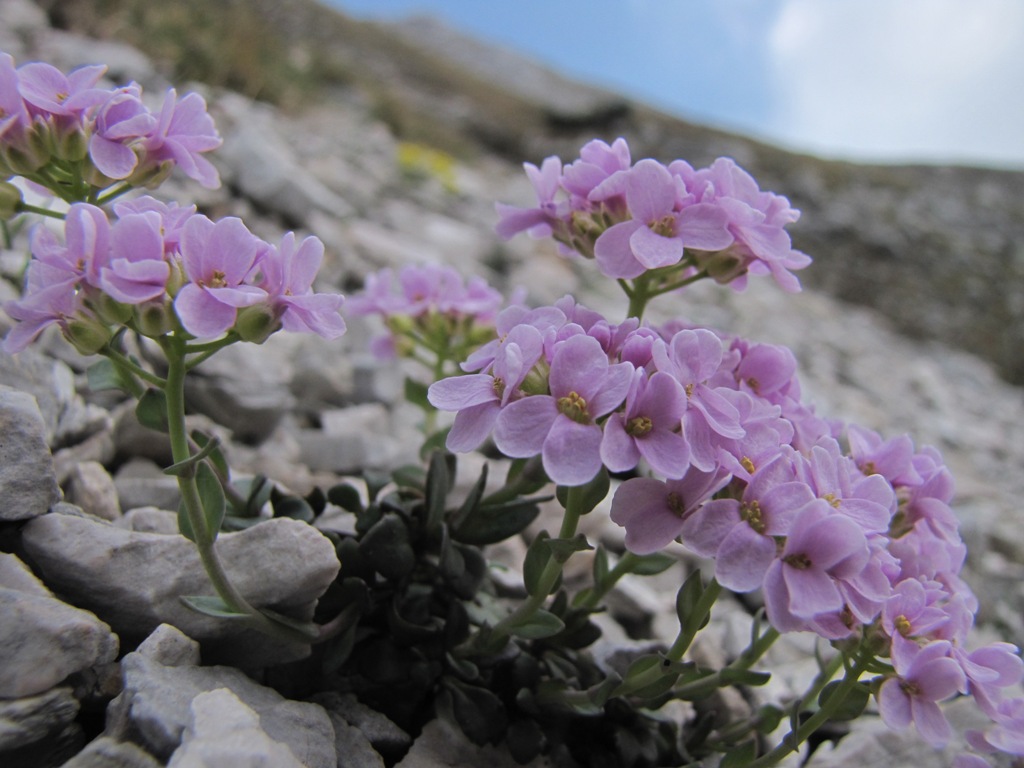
column 935, row 81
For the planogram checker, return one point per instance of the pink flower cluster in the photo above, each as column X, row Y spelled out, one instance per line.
column 422, row 294
column 161, row 267
column 841, row 541
column 632, row 218
column 46, row 115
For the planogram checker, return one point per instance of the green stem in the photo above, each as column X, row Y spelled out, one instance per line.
column 205, row 538
column 745, row 660
column 791, row 741
column 549, row 575
column 131, row 366
column 625, row 565
column 26, row 208
column 113, row 194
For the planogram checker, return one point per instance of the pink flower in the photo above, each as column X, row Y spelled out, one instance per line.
column 562, row 426
column 216, row 258
column 184, row 131
column 654, row 512
column 924, row 677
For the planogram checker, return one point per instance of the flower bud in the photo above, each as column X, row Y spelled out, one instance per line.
column 109, row 310
column 150, row 176
column 256, row 324
column 87, row 334
column 72, row 145
column 154, row 318
column 722, row 266
column 10, row 200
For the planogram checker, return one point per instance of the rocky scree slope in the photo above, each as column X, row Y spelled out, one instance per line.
column 305, row 413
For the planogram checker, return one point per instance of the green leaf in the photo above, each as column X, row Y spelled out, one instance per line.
column 212, row 605
column 563, row 549
column 151, row 410
column 106, row 374
column 346, row 496
column 768, row 718
column 260, row 490
column 295, row 507
column 740, row 756
column 731, row 676
column 416, row 393
column 187, row 467
column 540, row 624
column 438, row 484
column 593, row 492
column 307, row 628
column 651, row 565
column 537, row 556
column 527, row 474
column 212, row 496
column 216, row 455
column 852, row 706
column 472, row 499
column 600, row 569
column 478, row 712
column 387, row 549
column 184, row 524
column 410, row 476
column 687, row 597
column 490, row 524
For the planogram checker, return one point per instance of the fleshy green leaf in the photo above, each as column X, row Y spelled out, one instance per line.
column 295, row 507
column 416, row 393
column 307, row 628
column 212, row 605
column 600, row 569
column 740, row 755
column 105, row 374
column 437, row 486
column 212, row 496
column 184, row 524
column 472, row 498
column 537, row 556
column 345, row 496
column 852, row 706
column 387, row 549
column 541, row 624
column 563, row 549
column 215, row 454
column 653, row 564
column 490, row 524
column 478, row 712
column 687, row 597
column 732, row 676
column 151, row 410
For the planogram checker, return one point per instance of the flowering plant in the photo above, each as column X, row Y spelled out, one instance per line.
column 697, row 437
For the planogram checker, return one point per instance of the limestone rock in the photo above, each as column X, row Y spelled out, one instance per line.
column 28, row 485
column 135, row 580
column 91, row 488
column 105, row 752
column 42, row 640
column 224, row 731
column 156, row 707
column 39, row 731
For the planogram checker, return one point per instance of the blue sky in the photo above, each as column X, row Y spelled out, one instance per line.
column 874, row 80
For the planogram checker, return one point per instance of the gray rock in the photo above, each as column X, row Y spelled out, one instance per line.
column 141, row 483
column 440, row 745
column 155, row 709
column 42, row 640
column 171, row 647
column 92, row 488
column 39, row 731
column 224, row 731
column 353, row 748
column 263, row 166
column 134, row 580
column 98, row 447
column 105, row 752
column 28, row 485
column 149, row 520
column 385, row 737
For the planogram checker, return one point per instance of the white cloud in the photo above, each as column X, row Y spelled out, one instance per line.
column 888, row 79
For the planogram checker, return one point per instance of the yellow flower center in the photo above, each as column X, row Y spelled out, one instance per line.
column 575, row 407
